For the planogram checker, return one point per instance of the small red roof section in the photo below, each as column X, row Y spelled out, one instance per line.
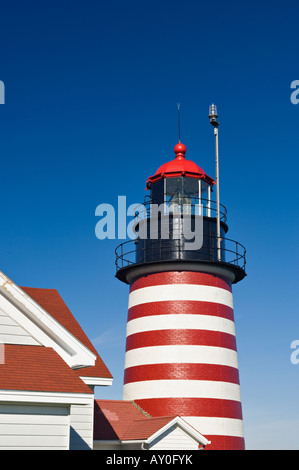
column 124, row 420
column 38, row 368
column 51, row 301
column 179, row 166
column 145, row 428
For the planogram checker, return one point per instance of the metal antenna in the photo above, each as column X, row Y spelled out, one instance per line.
column 213, row 120
column 179, row 121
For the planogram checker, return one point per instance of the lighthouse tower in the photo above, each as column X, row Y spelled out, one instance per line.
column 181, row 355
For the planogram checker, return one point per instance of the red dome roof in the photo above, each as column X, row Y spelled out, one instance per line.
column 180, row 166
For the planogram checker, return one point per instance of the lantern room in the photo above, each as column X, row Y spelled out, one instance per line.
column 182, row 186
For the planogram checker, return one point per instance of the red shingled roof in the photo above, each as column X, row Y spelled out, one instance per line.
column 124, row 420
column 144, row 428
column 112, row 417
column 38, row 368
column 51, row 301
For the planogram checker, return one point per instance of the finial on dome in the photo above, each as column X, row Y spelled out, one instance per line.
column 180, row 150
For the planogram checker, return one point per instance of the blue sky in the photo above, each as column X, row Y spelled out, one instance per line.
column 90, row 112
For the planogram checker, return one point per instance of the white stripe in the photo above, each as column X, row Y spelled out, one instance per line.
column 181, row 388
column 180, row 321
column 216, row 426
column 180, row 292
column 181, row 354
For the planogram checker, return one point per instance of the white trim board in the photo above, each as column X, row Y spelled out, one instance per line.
column 178, row 421
column 20, row 396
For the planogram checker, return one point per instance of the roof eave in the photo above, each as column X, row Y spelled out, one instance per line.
column 97, row 381
column 173, row 174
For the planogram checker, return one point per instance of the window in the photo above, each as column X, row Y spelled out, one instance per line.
column 181, row 195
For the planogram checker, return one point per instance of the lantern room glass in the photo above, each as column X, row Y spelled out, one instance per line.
column 183, row 195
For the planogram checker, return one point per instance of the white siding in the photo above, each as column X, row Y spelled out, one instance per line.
column 116, row 445
column 81, row 431
column 174, row 439
column 30, row 427
column 12, row 333
column 106, row 445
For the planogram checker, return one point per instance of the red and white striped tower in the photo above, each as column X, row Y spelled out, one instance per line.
column 181, row 355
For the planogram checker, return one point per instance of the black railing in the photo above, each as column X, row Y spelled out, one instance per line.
column 135, row 252
column 181, row 205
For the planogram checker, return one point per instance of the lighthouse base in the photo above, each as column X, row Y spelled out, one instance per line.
column 181, row 355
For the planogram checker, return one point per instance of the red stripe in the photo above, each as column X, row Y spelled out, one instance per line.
column 179, row 337
column 183, row 277
column 207, row 407
column 188, row 307
column 225, row 443
column 182, row 371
